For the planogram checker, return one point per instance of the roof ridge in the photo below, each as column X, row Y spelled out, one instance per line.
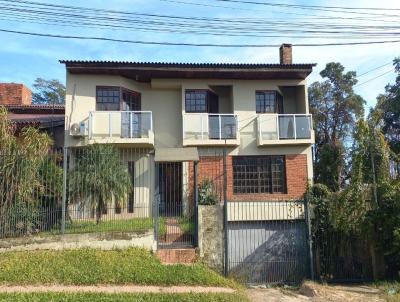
column 197, row 64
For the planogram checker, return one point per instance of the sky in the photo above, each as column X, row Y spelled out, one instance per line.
column 25, row 58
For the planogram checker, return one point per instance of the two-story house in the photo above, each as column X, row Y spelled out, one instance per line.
column 184, row 112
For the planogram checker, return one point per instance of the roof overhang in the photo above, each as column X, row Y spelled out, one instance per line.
column 144, row 72
column 176, row 154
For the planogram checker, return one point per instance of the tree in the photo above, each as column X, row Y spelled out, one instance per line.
column 335, row 108
column 48, row 92
column 98, row 177
column 388, row 112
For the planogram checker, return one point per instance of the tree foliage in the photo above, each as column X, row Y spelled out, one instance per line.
column 98, row 178
column 335, row 108
column 387, row 112
column 48, row 92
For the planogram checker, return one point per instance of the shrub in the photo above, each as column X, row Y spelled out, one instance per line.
column 21, row 219
column 207, row 193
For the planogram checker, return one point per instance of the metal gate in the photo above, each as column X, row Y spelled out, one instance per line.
column 267, row 242
column 175, row 205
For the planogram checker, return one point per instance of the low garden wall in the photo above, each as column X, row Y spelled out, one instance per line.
column 106, row 241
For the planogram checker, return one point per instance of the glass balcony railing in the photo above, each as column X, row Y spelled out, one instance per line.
column 204, row 126
column 120, row 124
column 284, row 126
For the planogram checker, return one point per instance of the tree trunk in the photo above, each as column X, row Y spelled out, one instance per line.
column 99, row 210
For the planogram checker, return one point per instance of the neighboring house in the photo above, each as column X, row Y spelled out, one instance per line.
column 260, row 112
column 17, row 98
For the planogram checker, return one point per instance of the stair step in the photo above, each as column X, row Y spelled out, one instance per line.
column 175, row 256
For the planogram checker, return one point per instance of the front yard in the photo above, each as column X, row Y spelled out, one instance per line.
column 132, row 225
column 89, row 266
column 54, row 270
column 101, row 297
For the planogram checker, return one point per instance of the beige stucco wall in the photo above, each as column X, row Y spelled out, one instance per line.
column 165, row 98
column 164, row 103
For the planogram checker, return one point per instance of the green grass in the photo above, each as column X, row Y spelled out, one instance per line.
column 90, row 266
column 186, row 224
column 101, row 297
column 134, row 225
column 118, row 225
column 390, row 289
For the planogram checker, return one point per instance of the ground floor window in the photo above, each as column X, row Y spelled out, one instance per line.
column 259, row 174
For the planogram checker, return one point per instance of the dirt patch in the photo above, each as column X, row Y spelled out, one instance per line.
column 313, row 292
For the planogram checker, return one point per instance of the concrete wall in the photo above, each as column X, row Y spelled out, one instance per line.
column 105, row 241
column 211, row 236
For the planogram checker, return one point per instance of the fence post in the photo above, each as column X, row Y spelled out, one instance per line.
column 309, row 236
column 156, row 202
column 64, row 193
column 196, row 204
column 225, row 214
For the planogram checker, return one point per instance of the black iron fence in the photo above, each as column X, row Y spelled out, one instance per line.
column 101, row 188
column 77, row 190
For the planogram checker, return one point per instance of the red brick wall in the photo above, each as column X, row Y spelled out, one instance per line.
column 15, row 94
column 212, row 168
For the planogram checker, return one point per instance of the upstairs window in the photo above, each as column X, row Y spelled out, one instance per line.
column 111, row 98
column 108, row 98
column 259, row 174
column 269, row 102
column 130, row 100
column 201, row 101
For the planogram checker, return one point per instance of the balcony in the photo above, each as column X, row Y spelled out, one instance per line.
column 285, row 129
column 121, row 127
column 210, row 129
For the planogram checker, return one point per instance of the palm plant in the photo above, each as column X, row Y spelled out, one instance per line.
column 22, row 171
column 98, row 176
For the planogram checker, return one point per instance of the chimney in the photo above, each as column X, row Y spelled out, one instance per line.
column 285, row 54
column 15, row 94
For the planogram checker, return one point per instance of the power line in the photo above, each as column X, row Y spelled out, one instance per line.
column 376, row 68
column 194, row 26
column 190, row 44
column 307, row 7
column 333, row 7
column 106, row 11
column 281, row 12
column 381, row 75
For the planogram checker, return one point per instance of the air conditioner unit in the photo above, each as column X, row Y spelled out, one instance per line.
column 77, row 129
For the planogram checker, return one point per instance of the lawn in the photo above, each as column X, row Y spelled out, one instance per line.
column 101, row 297
column 186, row 224
column 90, row 266
column 391, row 290
column 134, row 225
